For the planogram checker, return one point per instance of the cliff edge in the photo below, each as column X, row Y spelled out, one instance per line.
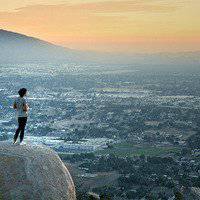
column 33, row 173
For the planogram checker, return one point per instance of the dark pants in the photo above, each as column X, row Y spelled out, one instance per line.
column 21, row 127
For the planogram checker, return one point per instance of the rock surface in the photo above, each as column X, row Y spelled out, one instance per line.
column 33, row 173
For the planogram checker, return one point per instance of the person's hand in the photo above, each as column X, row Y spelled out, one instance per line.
column 26, row 108
column 15, row 106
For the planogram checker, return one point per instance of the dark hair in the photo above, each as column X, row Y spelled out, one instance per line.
column 22, row 92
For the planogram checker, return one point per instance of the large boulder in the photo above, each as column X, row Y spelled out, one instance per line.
column 33, row 173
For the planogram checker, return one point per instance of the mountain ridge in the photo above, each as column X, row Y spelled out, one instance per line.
column 17, row 47
column 23, row 36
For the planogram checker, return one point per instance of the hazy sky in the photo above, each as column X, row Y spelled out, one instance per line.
column 108, row 25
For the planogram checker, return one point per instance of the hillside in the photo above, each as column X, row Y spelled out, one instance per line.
column 16, row 47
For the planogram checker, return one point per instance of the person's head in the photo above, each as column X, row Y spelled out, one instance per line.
column 22, row 92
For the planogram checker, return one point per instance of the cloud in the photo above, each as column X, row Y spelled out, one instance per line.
column 112, row 6
column 99, row 14
column 89, row 18
column 128, row 6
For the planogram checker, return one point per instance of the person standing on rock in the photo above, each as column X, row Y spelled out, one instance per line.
column 21, row 108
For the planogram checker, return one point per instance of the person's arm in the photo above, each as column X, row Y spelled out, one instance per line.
column 14, row 105
column 25, row 106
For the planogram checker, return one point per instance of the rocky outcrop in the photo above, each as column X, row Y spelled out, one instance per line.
column 33, row 173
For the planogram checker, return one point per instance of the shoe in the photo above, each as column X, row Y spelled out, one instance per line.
column 22, row 143
column 15, row 142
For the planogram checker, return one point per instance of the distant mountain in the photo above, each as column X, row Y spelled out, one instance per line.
column 17, row 48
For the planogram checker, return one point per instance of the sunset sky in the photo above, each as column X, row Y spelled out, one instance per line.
column 129, row 26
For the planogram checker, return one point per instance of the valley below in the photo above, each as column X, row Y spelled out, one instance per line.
column 126, row 132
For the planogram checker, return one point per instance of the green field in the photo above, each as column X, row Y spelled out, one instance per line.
column 128, row 149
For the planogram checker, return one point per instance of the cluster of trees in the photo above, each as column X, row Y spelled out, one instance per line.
column 144, row 174
column 77, row 157
column 193, row 141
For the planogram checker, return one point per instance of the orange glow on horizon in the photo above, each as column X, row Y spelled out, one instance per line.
column 107, row 25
